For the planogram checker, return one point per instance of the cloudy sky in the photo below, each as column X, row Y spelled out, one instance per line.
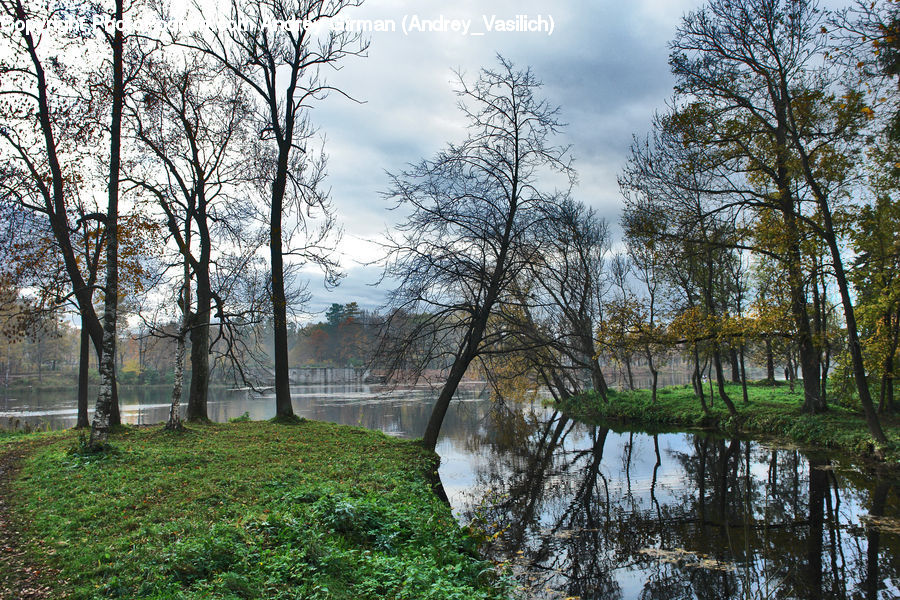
column 604, row 64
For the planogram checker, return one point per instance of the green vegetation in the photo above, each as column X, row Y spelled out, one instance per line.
column 244, row 510
column 772, row 410
column 6, row 435
column 244, row 418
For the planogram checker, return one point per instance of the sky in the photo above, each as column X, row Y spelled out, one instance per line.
column 605, row 63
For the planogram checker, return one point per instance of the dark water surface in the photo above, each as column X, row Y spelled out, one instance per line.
column 585, row 512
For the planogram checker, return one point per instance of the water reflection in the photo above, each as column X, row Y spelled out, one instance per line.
column 401, row 412
column 590, row 513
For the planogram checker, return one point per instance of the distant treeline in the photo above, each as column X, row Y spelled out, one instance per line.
column 45, row 349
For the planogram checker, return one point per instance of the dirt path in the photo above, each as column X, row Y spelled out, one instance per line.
column 18, row 580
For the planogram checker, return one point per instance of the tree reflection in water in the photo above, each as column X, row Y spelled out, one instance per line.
column 581, row 511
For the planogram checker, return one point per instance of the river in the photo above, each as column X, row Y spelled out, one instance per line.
column 586, row 512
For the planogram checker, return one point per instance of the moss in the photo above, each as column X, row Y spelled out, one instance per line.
column 245, row 510
column 771, row 411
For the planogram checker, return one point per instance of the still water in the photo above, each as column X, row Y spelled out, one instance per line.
column 586, row 512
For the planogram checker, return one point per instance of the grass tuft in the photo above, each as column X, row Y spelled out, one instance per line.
column 285, row 420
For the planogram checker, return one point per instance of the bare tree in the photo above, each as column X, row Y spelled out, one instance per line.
column 189, row 116
column 281, row 67
column 47, row 117
column 115, row 93
column 474, row 214
column 561, row 301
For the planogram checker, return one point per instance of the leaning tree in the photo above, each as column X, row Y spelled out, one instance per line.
column 474, row 213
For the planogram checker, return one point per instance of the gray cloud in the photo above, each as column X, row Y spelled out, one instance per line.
column 356, row 287
column 605, row 65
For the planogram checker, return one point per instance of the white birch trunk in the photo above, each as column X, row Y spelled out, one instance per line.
column 100, row 424
column 184, row 302
column 174, row 422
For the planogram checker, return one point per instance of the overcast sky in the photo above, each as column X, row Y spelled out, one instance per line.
column 605, row 64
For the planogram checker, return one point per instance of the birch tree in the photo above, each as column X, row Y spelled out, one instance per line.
column 116, row 96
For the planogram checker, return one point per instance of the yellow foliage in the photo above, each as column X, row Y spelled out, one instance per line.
column 131, row 366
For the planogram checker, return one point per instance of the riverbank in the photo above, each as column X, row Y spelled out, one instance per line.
column 239, row 510
column 772, row 411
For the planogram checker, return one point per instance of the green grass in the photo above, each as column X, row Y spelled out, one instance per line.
column 10, row 438
column 245, row 510
column 772, row 411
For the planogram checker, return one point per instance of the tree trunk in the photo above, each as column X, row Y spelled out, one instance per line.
column 770, row 362
column 115, row 418
column 197, row 401
column 809, row 361
column 174, row 422
column 654, row 376
column 84, row 366
column 790, row 372
column 284, row 409
column 598, row 381
column 735, row 364
column 628, row 373
column 819, row 303
column 199, row 391
column 102, row 412
column 439, row 411
column 106, row 398
column 720, row 381
column 744, row 377
column 698, row 380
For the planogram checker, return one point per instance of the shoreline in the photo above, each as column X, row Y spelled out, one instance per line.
column 773, row 413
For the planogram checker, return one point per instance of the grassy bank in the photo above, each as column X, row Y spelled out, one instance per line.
column 242, row 510
column 772, row 411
